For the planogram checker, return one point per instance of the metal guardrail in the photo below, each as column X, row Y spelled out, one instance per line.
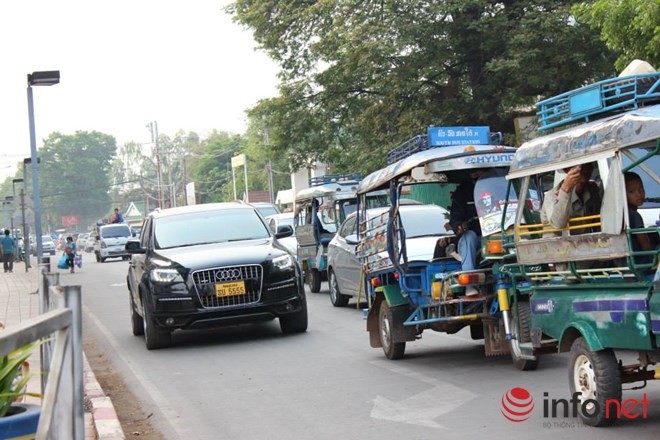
column 60, row 323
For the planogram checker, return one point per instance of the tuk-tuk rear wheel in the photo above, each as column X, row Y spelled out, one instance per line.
column 594, row 375
column 392, row 350
column 313, row 280
column 522, row 319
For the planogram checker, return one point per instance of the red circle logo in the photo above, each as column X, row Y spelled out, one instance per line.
column 517, row 404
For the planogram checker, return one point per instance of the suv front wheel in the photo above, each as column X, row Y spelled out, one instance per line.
column 154, row 337
column 295, row 322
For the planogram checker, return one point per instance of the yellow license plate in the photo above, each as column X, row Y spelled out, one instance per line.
column 230, row 289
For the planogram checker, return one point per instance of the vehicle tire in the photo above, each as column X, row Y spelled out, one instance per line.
column 154, row 337
column 525, row 324
column 392, row 350
column 336, row 297
column 313, row 280
column 137, row 323
column 295, row 322
column 594, row 375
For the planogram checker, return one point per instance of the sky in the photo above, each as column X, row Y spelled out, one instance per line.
column 123, row 64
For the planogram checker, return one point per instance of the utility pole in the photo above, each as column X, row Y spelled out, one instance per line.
column 154, row 139
column 270, row 166
column 169, row 174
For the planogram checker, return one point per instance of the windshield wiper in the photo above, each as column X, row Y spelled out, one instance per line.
column 245, row 239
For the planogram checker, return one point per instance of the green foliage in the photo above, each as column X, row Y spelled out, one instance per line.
column 359, row 77
column 629, row 27
column 14, row 376
column 75, row 176
column 212, row 172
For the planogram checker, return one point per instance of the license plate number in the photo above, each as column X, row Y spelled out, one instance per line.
column 230, row 289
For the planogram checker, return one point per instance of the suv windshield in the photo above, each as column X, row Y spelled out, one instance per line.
column 115, row 231
column 208, row 227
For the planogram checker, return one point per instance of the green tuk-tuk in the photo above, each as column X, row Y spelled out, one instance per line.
column 591, row 286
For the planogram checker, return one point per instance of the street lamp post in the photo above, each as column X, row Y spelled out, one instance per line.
column 47, row 78
column 13, row 187
column 26, row 237
column 9, row 201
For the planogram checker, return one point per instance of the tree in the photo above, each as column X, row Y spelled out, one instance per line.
column 629, row 27
column 212, row 172
column 359, row 77
column 75, row 176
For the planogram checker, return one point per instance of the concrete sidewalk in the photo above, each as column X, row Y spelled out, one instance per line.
column 19, row 301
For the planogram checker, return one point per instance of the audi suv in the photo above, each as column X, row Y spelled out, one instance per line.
column 211, row 265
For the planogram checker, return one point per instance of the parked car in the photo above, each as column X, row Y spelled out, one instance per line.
column 211, row 265
column 424, row 225
column 277, row 220
column 266, row 209
column 47, row 245
column 81, row 240
column 89, row 243
column 111, row 242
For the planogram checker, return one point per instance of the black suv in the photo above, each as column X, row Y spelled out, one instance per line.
column 211, row 265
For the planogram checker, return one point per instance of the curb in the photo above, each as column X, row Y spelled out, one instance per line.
column 105, row 420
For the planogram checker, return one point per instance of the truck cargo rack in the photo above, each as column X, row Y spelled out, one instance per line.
column 335, row 178
column 599, row 100
column 409, row 147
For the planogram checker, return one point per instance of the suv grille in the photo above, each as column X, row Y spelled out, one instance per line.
column 206, row 280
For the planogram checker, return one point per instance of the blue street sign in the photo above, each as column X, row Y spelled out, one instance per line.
column 441, row 136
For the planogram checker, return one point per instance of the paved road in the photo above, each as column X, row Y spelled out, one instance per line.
column 251, row 382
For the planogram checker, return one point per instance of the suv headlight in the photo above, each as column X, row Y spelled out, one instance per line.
column 283, row 262
column 161, row 275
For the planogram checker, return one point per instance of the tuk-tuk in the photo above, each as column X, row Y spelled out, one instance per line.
column 320, row 209
column 589, row 286
column 414, row 284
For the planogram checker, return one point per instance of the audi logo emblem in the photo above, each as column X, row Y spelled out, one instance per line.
column 227, row 274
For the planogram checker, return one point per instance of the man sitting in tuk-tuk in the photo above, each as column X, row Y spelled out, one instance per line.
column 575, row 196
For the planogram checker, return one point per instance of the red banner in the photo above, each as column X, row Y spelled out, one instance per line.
column 70, row 220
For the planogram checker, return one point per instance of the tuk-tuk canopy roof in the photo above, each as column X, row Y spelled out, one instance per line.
column 336, row 190
column 586, row 142
column 440, row 159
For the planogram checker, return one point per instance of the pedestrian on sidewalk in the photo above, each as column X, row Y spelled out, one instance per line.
column 70, row 250
column 7, row 244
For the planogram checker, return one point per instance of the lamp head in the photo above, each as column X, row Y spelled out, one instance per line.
column 46, row 78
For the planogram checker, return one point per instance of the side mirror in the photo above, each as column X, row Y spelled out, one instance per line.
column 284, row 231
column 352, row 239
column 134, row 247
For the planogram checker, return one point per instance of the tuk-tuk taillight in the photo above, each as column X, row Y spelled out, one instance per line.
column 471, row 278
column 436, row 290
column 494, row 247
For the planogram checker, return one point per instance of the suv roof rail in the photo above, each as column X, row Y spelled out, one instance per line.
column 335, row 178
column 599, row 100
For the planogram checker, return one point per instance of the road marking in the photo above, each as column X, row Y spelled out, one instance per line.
column 422, row 408
column 118, row 285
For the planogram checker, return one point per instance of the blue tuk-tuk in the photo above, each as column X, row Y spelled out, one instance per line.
column 414, row 283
